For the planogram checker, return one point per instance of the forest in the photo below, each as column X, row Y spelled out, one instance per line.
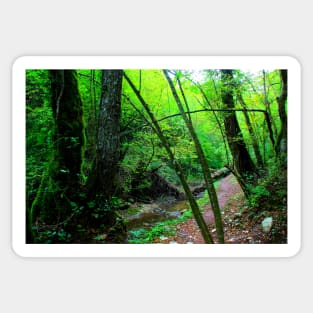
column 163, row 156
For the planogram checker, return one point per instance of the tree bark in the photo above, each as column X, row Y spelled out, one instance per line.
column 60, row 184
column 203, row 162
column 281, row 143
column 68, row 114
column 267, row 104
column 242, row 160
column 103, row 177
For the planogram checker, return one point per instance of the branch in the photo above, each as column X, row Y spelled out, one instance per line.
column 189, row 112
column 213, row 110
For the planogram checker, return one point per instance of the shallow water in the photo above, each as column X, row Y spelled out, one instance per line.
column 151, row 214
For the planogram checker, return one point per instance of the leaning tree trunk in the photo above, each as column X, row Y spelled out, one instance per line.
column 203, row 162
column 242, row 160
column 176, row 166
column 58, row 190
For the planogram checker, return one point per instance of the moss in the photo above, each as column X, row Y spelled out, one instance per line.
column 60, row 184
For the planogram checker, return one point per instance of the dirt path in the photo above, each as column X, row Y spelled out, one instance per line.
column 231, row 199
column 237, row 228
column 188, row 232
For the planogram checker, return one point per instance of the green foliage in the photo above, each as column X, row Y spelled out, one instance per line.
column 37, row 88
column 271, row 190
column 39, row 129
column 57, row 235
column 141, row 150
column 258, row 195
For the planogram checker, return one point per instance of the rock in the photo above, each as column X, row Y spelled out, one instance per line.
column 173, row 242
column 158, row 210
column 175, row 214
column 231, row 240
column 267, row 224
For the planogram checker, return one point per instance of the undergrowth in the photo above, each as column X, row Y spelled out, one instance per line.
column 165, row 228
column 269, row 199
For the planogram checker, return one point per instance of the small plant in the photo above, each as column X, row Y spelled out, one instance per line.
column 54, row 236
column 258, row 195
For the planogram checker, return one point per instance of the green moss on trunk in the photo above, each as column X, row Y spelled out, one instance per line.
column 58, row 192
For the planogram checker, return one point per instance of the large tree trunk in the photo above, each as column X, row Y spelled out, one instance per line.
column 242, row 160
column 108, row 137
column 59, row 187
column 69, row 134
column 101, row 184
column 102, row 180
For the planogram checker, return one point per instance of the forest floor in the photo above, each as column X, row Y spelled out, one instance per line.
column 238, row 228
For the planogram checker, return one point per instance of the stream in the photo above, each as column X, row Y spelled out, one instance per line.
column 148, row 215
column 141, row 215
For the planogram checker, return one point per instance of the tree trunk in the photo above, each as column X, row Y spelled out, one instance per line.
column 267, row 104
column 101, row 183
column 69, row 135
column 59, row 187
column 253, row 137
column 204, row 165
column 176, row 166
column 242, row 160
column 102, row 180
column 222, row 131
column 281, row 143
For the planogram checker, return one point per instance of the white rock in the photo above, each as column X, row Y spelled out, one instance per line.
column 267, row 224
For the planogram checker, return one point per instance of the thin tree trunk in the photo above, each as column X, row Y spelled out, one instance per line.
column 185, row 100
column 253, row 137
column 281, row 143
column 222, row 131
column 176, row 166
column 204, row 165
column 267, row 104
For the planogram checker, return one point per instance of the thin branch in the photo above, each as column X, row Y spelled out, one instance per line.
column 213, row 110
column 148, row 123
column 188, row 112
column 88, row 76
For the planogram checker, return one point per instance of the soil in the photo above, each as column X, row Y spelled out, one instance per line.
column 238, row 228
